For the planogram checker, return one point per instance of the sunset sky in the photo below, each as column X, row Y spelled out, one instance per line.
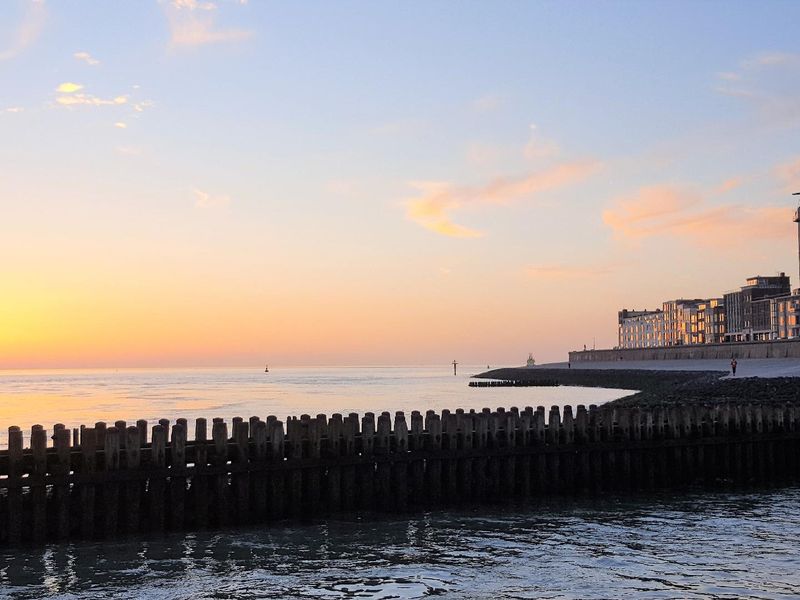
column 211, row 183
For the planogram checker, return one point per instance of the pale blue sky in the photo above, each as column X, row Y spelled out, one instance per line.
column 543, row 163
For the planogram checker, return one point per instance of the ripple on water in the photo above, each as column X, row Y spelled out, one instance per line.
column 678, row 546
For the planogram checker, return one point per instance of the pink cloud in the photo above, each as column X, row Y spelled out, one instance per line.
column 669, row 211
column 438, row 200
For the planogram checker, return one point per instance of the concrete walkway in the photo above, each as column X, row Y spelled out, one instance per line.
column 746, row 367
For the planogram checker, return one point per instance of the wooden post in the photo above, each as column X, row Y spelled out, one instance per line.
column 433, row 473
column 177, row 485
column 313, row 431
column 141, row 426
column 61, row 439
column 450, row 464
column 464, row 429
column 110, row 489
column 277, row 480
column 400, row 464
column 583, row 470
column 156, row 491
column 259, row 478
column 294, row 443
column 133, row 488
column 332, row 450
column 219, row 435
column 417, row 468
column 87, row 493
column 553, row 439
column 568, row 474
column 199, row 484
column 479, row 467
column 37, row 482
column 241, row 478
column 366, row 471
column 122, row 427
column 350, row 432
column 15, row 471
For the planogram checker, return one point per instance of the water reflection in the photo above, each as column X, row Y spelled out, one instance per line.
column 695, row 546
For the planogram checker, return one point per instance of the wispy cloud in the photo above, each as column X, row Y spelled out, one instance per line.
column 28, row 30
column 432, row 209
column 206, row 200
column 674, row 212
column 770, row 83
column 14, row 109
column 69, row 88
column 194, row 23
column 87, row 58
column 121, row 125
column 90, row 100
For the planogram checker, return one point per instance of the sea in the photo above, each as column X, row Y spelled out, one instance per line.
column 692, row 544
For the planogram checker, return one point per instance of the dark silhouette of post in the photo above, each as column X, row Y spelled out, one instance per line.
column 455, row 364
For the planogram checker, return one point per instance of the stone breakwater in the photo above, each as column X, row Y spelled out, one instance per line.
column 654, row 387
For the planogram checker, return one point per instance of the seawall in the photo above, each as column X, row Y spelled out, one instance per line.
column 773, row 349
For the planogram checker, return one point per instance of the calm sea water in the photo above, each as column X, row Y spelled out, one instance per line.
column 697, row 545
column 76, row 397
column 687, row 546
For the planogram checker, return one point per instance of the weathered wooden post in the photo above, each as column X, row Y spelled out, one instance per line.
column 110, row 500
column 277, row 480
column 433, row 472
column 294, row 444
column 332, row 450
column 219, row 435
column 141, row 426
column 241, row 477
column 87, row 493
column 366, row 471
column 177, row 484
column 61, row 439
column 450, row 464
column 37, row 482
column 400, row 463
column 350, row 431
column 157, row 484
column 133, row 487
column 553, row 441
column 479, row 466
column 199, row 489
column 15, row 472
column 259, row 478
column 568, row 475
column 313, row 431
column 581, row 442
column 417, row 467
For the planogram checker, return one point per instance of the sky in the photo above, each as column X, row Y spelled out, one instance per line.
column 233, row 182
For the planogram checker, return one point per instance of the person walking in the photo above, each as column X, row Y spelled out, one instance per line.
column 733, row 366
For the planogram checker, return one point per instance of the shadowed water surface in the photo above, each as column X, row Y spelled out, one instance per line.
column 731, row 545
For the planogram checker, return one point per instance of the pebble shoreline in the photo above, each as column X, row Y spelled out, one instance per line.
column 652, row 387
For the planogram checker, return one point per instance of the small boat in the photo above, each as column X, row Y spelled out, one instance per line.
column 266, row 369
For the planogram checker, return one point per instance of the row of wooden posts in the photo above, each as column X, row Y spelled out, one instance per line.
column 515, row 383
column 102, row 482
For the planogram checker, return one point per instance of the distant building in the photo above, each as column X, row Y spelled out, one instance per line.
column 786, row 316
column 762, row 309
column 749, row 309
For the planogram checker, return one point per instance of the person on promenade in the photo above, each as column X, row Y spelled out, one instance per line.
column 733, row 366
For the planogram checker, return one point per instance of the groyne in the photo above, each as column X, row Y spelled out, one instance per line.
column 106, row 481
